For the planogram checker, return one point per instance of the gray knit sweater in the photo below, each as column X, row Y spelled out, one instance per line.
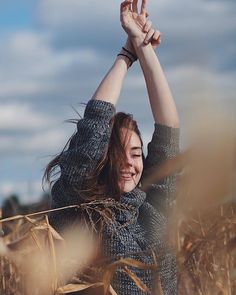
column 142, row 233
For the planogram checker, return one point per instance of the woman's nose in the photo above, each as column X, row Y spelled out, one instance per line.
column 129, row 160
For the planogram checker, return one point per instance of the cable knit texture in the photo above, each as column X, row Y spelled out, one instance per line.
column 140, row 230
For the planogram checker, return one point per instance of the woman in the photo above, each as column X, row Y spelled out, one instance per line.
column 104, row 160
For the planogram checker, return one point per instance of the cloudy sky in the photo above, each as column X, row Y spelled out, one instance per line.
column 53, row 54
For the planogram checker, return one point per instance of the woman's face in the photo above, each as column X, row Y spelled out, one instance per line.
column 131, row 170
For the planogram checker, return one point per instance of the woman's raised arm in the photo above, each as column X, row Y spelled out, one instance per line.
column 110, row 87
column 161, row 100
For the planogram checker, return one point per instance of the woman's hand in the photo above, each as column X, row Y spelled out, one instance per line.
column 132, row 21
column 151, row 35
column 136, row 24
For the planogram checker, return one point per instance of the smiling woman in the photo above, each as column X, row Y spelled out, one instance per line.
column 104, row 160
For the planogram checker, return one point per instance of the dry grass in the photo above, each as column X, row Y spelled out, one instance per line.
column 30, row 265
column 206, row 207
column 206, row 252
column 36, row 260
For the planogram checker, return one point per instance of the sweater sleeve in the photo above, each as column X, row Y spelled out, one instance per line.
column 163, row 146
column 86, row 147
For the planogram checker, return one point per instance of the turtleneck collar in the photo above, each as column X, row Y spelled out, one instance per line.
column 133, row 200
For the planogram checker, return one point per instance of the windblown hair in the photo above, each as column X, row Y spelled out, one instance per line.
column 104, row 181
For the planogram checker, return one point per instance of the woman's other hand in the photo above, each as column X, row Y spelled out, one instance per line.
column 132, row 21
column 151, row 35
column 136, row 24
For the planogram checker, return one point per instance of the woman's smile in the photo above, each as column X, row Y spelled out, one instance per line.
column 127, row 175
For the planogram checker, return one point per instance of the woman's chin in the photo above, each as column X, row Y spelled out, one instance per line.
column 128, row 186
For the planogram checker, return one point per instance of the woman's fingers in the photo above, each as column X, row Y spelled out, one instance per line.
column 125, row 6
column 153, row 37
column 156, row 38
column 135, row 6
column 148, row 37
column 144, row 8
column 147, row 26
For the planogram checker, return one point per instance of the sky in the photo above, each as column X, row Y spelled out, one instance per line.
column 54, row 53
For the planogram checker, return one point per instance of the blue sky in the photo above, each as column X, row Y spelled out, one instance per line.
column 16, row 14
column 53, row 54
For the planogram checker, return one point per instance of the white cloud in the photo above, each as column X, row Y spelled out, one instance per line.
column 18, row 116
column 25, row 130
column 6, row 142
column 30, row 64
column 47, row 141
column 69, row 12
column 40, row 143
column 194, row 82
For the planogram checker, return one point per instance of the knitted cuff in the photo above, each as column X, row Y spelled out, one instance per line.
column 99, row 109
column 166, row 135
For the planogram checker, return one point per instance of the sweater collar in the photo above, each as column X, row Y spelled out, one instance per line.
column 132, row 201
column 134, row 198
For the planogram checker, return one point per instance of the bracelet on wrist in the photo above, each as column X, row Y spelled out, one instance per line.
column 125, row 55
column 130, row 53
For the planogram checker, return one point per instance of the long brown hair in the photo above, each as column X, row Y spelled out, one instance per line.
column 103, row 182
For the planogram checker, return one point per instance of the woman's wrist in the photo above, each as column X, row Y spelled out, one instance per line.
column 129, row 46
column 125, row 59
column 128, row 53
column 137, row 42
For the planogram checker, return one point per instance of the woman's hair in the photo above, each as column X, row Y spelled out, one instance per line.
column 104, row 181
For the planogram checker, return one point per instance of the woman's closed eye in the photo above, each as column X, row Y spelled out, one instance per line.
column 136, row 155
